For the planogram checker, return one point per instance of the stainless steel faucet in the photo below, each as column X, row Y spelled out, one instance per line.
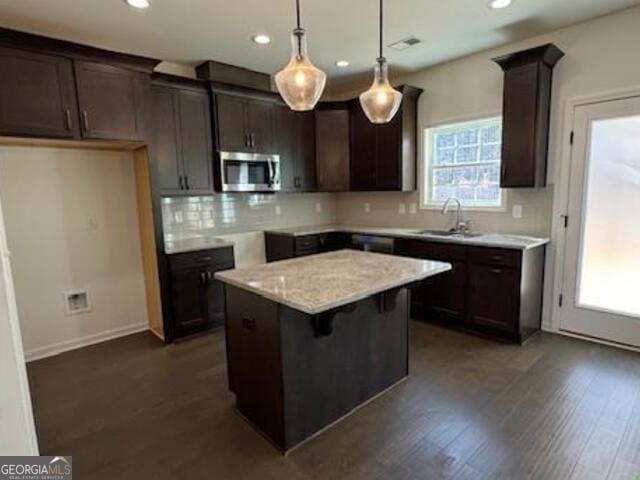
column 462, row 225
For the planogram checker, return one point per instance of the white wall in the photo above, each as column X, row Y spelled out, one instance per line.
column 72, row 223
column 17, row 431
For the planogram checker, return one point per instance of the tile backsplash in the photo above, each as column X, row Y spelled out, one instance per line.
column 230, row 213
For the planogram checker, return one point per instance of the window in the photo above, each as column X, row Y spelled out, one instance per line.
column 462, row 160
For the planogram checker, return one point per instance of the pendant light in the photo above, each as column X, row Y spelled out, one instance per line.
column 381, row 102
column 300, row 83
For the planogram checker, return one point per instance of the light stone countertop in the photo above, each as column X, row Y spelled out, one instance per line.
column 518, row 242
column 317, row 283
column 195, row 244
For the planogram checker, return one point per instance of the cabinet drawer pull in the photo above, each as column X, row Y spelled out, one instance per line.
column 249, row 323
column 252, row 140
column 67, row 119
column 85, row 120
column 496, row 270
column 496, row 257
column 205, row 259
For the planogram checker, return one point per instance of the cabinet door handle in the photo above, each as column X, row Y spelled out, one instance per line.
column 209, row 277
column 203, row 278
column 249, row 323
column 67, row 119
column 251, row 140
column 497, row 271
column 180, row 182
column 186, row 182
column 247, row 140
column 504, row 170
column 85, row 120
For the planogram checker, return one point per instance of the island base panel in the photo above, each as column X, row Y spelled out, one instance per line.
column 291, row 383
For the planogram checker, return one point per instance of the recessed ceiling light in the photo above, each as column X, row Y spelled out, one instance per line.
column 141, row 4
column 342, row 63
column 261, row 39
column 499, row 3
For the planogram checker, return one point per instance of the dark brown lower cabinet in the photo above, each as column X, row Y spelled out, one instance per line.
column 440, row 297
column 491, row 291
column 197, row 297
column 280, row 246
column 493, row 294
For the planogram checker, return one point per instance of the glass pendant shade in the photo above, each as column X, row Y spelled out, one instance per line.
column 381, row 102
column 300, row 83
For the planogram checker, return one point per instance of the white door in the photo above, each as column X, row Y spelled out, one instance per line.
column 601, row 284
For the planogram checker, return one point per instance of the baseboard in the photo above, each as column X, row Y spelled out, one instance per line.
column 57, row 348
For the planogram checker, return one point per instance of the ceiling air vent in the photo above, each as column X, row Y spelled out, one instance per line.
column 405, row 43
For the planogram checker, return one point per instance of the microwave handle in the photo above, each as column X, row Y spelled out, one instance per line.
column 272, row 172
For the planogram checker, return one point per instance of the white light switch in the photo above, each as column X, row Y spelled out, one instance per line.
column 402, row 208
column 318, row 207
column 367, row 207
column 278, row 210
column 517, row 211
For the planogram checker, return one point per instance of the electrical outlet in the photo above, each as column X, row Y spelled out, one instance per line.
column 92, row 222
column 402, row 208
column 318, row 207
column 413, row 208
column 367, row 207
column 517, row 211
column 278, row 210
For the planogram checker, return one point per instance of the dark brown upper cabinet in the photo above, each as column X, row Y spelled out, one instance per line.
column 58, row 89
column 383, row 157
column 110, row 100
column 37, row 95
column 181, row 139
column 332, row 149
column 526, row 111
column 244, row 124
column 295, row 143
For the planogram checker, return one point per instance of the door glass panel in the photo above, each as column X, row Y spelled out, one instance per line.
column 609, row 263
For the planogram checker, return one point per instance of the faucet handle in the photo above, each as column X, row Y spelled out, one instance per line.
column 465, row 225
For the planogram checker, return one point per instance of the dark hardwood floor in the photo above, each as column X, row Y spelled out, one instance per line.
column 556, row 408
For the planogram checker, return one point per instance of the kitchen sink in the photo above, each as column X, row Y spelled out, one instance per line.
column 447, row 233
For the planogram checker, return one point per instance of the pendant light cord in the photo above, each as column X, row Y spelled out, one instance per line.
column 380, row 56
column 298, row 30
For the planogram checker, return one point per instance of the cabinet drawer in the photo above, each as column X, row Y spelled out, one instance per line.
column 307, row 243
column 219, row 259
column 495, row 256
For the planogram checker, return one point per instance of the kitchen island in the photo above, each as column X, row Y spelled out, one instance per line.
column 311, row 339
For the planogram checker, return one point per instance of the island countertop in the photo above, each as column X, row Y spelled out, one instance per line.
column 318, row 283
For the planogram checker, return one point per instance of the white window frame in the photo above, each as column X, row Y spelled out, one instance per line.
column 426, row 171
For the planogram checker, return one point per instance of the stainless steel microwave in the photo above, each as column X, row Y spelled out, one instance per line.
column 249, row 172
